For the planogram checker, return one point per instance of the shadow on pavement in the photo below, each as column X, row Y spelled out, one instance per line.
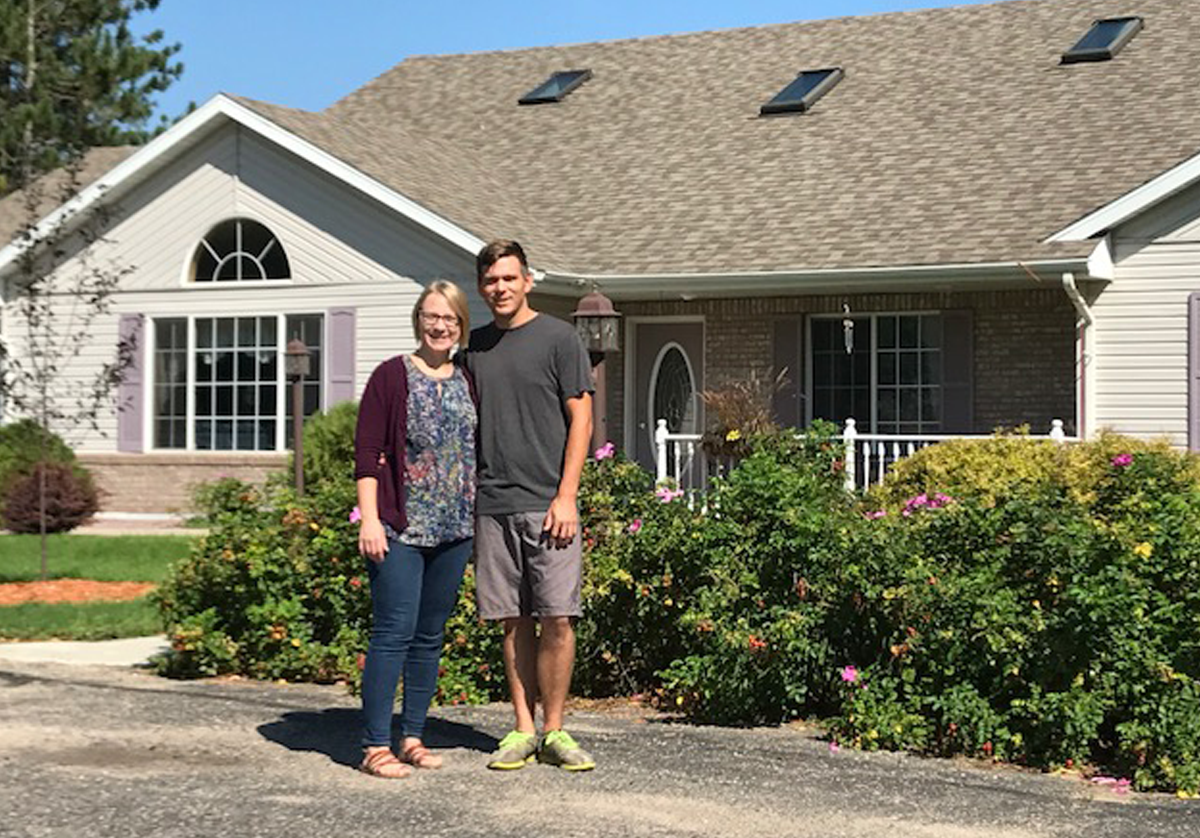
column 336, row 733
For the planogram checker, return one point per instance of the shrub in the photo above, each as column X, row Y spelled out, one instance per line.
column 277, row 590
column 1050, row 625
column 696, row 604
column 994, row 468
column 1028, row 601
column 21, row 447
column 329, row 445
column 71, row 499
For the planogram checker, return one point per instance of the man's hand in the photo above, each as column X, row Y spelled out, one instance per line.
column 562, row 521
column 372, row 540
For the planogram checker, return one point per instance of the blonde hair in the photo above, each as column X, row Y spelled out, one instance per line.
column 458, row 303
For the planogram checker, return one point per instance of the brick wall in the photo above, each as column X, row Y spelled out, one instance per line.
column 1023, row 344
column 162, row 483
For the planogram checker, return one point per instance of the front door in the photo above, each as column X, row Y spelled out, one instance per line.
column 668, row 376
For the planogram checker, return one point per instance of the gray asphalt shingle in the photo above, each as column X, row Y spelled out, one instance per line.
column 956, row 136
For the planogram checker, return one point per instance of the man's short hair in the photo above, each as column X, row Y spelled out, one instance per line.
column 496, row 250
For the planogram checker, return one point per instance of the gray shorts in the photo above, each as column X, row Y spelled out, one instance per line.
column 518, row 573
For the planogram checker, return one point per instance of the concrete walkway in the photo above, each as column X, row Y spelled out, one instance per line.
column 130, row 651
column 120, row 752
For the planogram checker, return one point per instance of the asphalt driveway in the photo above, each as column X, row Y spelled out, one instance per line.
column 118, row 752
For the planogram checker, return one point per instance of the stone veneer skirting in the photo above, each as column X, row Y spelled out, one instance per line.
column 163, row 482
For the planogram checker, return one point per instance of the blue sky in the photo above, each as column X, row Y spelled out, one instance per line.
column 309, row 53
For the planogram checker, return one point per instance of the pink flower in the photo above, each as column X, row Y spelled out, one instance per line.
column 605, row 451
column 635, row 525
column 666, row 494
column 878, row 513
column 849, row 674
column 834, row 747
column 1122, row 460
column 355, row 515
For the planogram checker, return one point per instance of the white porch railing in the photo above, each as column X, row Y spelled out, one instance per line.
column 680, row 458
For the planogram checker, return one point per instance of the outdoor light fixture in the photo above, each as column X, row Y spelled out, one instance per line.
column 847, row 329
column 296, row 359
column 598, row 325
column 297, row 362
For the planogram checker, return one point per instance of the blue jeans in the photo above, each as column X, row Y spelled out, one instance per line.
column 413, row 591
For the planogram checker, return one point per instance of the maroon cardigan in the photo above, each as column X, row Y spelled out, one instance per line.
column 383, row 429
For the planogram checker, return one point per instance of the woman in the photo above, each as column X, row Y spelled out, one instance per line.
column 415, row 468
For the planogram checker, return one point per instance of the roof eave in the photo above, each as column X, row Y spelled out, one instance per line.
column 974, row 276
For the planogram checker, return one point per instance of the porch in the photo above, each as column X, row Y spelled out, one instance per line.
column 868, row 456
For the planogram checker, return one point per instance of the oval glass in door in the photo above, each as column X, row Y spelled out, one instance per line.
column 673, row 392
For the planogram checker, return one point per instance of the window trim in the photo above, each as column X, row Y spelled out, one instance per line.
column 282, row 399
column 808, row 361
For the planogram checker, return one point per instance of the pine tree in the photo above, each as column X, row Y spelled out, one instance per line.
column 73, row 76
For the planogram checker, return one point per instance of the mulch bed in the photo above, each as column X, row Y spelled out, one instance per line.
column 71, row 590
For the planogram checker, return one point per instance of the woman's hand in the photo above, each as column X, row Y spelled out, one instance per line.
column 372, row 540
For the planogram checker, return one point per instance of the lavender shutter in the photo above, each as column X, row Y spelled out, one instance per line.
column 130, row 393
column 341, row 355
column 786, row 359
column 958, row 372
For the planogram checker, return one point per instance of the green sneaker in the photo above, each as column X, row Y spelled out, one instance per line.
column 515, row 750
column 558, row 748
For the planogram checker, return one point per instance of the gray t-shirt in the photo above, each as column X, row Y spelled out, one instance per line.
column 523, row 378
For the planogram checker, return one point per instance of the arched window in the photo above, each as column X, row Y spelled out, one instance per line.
column 239, row 250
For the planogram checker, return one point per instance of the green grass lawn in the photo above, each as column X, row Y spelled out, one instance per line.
column 108, row 558
column 79, row 620
column 132, row 558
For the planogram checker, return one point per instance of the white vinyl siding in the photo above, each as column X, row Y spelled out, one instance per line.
column 346, row 252
column 1141, row 332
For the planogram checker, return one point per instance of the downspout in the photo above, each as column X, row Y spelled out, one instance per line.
column 1082, row 324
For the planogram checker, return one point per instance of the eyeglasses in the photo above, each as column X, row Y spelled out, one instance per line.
column 431, row 319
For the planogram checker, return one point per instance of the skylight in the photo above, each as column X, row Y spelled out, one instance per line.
column 804, row 91
column 1104, row 40
column 555, row 88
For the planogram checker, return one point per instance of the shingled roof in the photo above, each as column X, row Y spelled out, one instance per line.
column 956, row 137
column 54, row 187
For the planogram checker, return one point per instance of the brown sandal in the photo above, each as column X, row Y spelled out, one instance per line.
column 418, row 756
column 382, row 763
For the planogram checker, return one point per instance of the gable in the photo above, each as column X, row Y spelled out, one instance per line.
column 331, row 232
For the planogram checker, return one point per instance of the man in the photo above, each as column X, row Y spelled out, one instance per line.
column 534, row 385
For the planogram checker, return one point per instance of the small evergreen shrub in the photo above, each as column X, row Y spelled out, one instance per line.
column 329, row 444
column 71, row 499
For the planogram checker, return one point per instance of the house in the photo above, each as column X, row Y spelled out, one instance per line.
column 934, row 221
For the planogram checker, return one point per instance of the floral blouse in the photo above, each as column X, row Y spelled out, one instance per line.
column 439, row 458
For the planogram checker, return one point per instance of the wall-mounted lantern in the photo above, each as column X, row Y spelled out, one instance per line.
column 599, row 327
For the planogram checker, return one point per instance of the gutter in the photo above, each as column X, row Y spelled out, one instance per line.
column 964, row 276
column 1084, row 322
